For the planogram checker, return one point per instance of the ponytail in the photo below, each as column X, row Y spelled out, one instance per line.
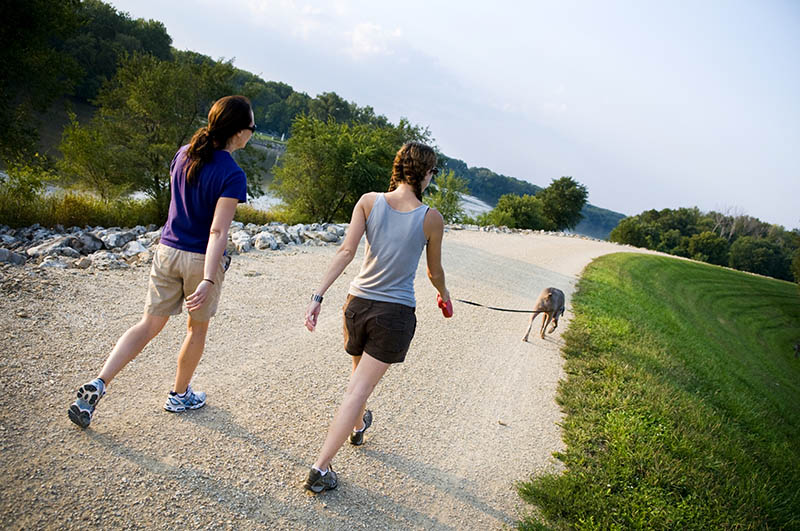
column 411, row 163
column 201, row 150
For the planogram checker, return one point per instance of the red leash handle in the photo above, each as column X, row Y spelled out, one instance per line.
column 447, row 307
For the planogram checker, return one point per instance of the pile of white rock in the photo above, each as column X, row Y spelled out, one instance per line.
column 117, row 248
column 505, row 230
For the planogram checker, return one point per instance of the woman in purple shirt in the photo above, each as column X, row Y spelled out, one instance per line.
column 189, row 263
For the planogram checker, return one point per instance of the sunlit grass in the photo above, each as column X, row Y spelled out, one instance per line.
column 682, row 401
column 76, row 209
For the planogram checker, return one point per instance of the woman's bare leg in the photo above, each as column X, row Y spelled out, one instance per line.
column 366, row 375
column 191, row 352
column 360, row 419
column 131, row 343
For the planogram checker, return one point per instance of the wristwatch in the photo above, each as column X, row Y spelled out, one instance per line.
column 316, row 298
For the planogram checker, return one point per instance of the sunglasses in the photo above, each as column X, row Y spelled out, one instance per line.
column 252, row 128
column 435, row 171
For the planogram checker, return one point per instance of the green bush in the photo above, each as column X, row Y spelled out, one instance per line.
column 445, row 196
column 517, row 213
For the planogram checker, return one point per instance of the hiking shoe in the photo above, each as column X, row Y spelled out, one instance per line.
column 357, row 437
column 316, row 482
column 190, row 400
column 89, row 394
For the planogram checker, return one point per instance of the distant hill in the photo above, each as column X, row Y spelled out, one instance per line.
column 488, row 186
column 598, row 222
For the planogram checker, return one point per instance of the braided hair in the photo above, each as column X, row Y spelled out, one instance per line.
column 227, row 116
column 412, row 162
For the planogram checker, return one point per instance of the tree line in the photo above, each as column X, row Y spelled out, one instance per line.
column 722, row 238
column 150, row 98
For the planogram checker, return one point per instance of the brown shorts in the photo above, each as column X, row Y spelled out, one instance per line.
column 174, row 276
column 381, row 329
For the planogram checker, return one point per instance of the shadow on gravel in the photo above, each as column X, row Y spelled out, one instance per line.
column 448, row 483
column 256, row 508
column 218, row 419
column 361, row 507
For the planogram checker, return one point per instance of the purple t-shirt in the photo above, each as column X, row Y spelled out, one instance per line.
column 191, row 207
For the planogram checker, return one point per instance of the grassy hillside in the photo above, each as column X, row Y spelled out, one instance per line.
column 681, row 400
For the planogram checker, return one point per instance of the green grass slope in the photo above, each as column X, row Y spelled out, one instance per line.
column 682, row 401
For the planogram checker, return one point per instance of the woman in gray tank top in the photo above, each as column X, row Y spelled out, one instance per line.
column 379, row 318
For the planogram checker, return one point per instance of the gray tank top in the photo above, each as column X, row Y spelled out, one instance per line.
column 394, row 244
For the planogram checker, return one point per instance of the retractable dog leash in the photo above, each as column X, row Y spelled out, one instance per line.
column 492, row 307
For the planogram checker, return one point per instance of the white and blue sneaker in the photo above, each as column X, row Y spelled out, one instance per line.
column 188, row 400
column 89, row 394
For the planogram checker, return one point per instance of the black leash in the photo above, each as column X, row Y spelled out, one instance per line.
column 492, row 307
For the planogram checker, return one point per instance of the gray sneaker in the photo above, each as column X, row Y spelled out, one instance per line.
column 357, row 437
column 190, row 400
column 317, row 482
column 89, row 394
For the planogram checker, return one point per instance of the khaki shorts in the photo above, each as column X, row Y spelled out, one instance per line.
column 174, row 276
column 381, row 329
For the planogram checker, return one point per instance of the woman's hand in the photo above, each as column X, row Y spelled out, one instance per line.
column 445, row 305
column 312, row 313
column 200, row 296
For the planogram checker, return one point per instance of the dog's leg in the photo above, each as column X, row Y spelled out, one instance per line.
column 555, row 324
column 545, row 322
column 530, row 325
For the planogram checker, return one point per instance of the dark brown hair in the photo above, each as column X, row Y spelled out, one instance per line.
column 227, row 116
column 412, row 162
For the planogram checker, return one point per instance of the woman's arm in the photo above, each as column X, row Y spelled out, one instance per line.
column 344, row 255
column 217, row 241
column 434, row 230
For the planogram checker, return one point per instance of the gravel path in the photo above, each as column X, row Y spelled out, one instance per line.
column 470, row 412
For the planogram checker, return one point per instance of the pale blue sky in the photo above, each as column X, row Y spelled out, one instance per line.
column 649, row 104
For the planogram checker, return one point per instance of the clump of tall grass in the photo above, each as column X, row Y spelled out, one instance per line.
column 23, row 202
column 247, row 214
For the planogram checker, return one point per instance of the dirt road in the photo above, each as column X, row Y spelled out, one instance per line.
column 470, row 412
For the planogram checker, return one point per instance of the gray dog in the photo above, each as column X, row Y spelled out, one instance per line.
column 551, row 304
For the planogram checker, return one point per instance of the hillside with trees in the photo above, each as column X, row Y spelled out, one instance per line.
column 147, row 98
column 489, row 187
column 728, row 239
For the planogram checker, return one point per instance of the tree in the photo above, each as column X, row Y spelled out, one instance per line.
column 709, row 247
column 105, row 38
column 562, row 202
column 328, row 166
column 150, row 109
column 330, row 105
column 33, row 70
column 630, row 231
column 89, row 161
column 517, row 212
column 761, row 256
column 673, row 242
column 446, row 196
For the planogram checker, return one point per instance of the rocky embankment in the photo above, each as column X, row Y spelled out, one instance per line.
column 117, row 248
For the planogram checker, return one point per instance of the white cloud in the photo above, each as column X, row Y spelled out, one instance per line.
column 286, row 16
column 368, row 39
